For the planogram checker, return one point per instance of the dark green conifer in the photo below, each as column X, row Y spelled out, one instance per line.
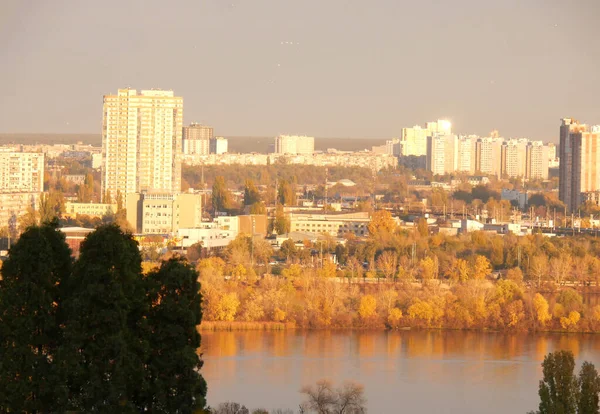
column 32, row 277
column 175, row 383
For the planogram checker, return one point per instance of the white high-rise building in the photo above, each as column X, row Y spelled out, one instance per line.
column 414, row 140
column 442, row 153
column 294, row 145
column 536, row 164
column 142, row 141
column 488, row 155
column 466, row 154
column 513, row 157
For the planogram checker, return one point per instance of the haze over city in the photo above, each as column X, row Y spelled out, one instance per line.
column 328, row 69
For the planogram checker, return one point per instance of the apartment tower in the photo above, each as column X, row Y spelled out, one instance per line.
column 142, row 142
column 196, row 139
column 579, row 171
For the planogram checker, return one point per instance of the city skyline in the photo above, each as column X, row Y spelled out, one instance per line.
column 254, row 68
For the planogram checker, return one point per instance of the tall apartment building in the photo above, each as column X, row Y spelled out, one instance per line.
column 579, row 171
column 196, row 139
column 142, row 141
column 513, row 157
column 294, row 144
column 488, row 153
column 442, row 153
column 466, row 154
column 414, row 140
column 536, row 164
column 22, row 172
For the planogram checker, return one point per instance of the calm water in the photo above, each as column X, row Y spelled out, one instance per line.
column 403, row 372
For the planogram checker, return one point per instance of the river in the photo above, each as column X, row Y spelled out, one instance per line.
column 403, row 372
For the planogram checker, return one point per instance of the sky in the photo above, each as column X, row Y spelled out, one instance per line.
column 326, row 68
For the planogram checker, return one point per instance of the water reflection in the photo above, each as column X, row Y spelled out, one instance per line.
column 463, row 371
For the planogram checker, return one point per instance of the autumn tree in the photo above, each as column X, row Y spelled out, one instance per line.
column 481, row 267
column 387, row 263
column 368, row 306
column 381, row 222
column 541, row 308
column 280, row 224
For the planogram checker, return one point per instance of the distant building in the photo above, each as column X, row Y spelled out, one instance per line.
column 141, row 141
column 579, row 160
column 74, row 236
column 513, row 157
column 89, row 209
column 466, row 154
column 414, row 140
column 218, row 145
column 21, row 172
column 14, row 205
column 488, row 153
column 294, row 144
column 77, row 179
column 196, row 139
column 536, row 164
column 96, row 161
column 514, row 195
column 335, row 225
column 163, row 213
column 442, row 153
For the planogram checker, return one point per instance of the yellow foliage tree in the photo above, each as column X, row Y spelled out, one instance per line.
column 279, row 315
column 571, row 321
column 542, row 314
column 367, row 307
column 429, row 268
column 227, row 307
column 239, row 272
column 481, row 267
column 394, row 317
column 421, row 310
column 328, row 269
column 381, row 222
column 462, row 270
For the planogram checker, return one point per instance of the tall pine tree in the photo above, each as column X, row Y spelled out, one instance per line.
column 105, row 347
column 38, row 266
column 175, row 383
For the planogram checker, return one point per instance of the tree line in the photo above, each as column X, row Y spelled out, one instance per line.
column 94, row 334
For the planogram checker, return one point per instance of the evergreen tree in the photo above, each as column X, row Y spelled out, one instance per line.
column 589, row 386
column 30, row 290
column 286, row 193
column 251, row 194
column 558, row 388
column 221, row 197
column 104, row 351
column 176, row 385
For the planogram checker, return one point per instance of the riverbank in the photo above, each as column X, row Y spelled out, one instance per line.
column 238, row 326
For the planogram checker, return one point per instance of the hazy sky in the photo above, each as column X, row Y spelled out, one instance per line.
column 346, row 68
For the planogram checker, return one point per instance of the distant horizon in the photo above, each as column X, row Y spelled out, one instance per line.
column 4, row 135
